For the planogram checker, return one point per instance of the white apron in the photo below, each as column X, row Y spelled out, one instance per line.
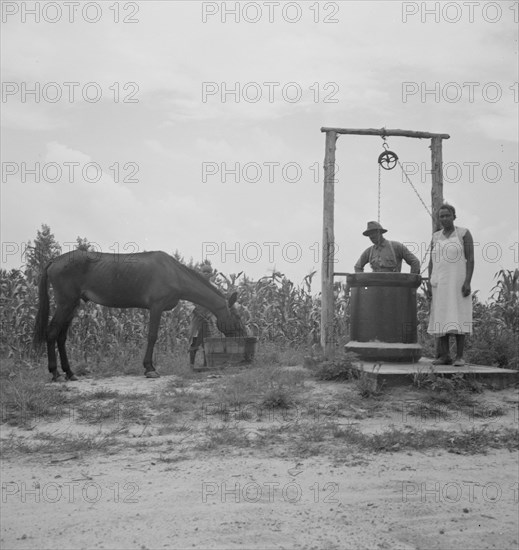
column 451, row 312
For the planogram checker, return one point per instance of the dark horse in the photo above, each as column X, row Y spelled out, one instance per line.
column 148, row 280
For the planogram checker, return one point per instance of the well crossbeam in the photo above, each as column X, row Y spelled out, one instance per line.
column 385, row 132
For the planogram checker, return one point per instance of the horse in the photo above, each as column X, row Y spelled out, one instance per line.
column 148, row 280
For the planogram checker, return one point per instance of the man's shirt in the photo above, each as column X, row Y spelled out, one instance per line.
column 388, row 256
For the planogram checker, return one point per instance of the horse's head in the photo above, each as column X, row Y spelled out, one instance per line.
column 231, row 323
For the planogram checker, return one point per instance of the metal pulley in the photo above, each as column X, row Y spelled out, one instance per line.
column 387, row 159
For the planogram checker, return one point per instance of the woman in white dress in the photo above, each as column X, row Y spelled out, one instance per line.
column 451, row 267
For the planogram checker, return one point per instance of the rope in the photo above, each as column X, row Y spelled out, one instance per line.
column 428, row 211
column 414, row 188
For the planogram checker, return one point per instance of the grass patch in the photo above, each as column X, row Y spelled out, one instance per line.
column 474, row 441
column 455, row 400
column 259, row 389
column 67, row 444
column 440, row 383
column 174, row 402
column 225, row 435
column 312, row 437
column 170, row 428
column 172, row 459
column 366, row 385
column 102, row 394
column 278, row 434
column 444, row 396
column 113, row 411
column 331, row 408
column 276, row 354
column 345, row 369
column 25, row 400
column 426, row 411
column 126, row 360
column 244, row 414
column 28, row 400
column 277, row 397
column 488, row 411
column 339, row 370
column 103, row 363
column 181, row 400
column 268, row 409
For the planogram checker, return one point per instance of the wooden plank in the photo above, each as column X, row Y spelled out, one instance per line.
column 437, row 180
column 328, row 248
column 385, row 132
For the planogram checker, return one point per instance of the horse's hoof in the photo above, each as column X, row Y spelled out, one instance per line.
column 152, row 374
column 72, row 378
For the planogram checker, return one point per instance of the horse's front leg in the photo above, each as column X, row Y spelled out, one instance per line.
column 153, row 330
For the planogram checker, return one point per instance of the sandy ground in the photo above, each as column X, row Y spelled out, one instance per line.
column 152, row 498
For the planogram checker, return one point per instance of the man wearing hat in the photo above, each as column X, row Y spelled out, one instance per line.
column 385, row 255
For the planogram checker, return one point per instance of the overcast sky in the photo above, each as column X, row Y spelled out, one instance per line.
column 168, row 125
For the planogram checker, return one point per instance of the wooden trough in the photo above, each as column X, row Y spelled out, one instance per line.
column 229, row 351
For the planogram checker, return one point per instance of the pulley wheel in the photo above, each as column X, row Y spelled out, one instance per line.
column 388, row 160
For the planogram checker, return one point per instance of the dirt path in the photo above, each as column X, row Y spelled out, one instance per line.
column 139, row 497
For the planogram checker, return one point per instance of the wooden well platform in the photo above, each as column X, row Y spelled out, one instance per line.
column 401, row 374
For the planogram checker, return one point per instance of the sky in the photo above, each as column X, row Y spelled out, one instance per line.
column 196, row 127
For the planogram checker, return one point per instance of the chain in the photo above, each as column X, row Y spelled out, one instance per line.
column 385, row 146
column 379, row 188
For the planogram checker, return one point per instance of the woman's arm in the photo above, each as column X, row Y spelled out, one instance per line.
column 429, row 270
column 468, row 249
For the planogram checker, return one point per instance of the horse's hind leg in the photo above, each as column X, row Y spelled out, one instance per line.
column 65, row 365
column 57, row 332
column 51, row 356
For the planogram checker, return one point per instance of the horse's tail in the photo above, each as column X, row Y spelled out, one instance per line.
column 42, row 317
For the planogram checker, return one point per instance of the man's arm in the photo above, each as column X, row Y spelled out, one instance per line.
column 411, row 259
column 362, row 261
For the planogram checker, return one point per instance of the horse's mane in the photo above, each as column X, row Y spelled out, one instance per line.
column 193, row 273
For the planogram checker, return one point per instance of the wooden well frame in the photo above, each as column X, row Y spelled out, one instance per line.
column 328, row 239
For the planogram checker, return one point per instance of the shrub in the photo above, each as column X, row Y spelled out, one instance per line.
column 337, row 370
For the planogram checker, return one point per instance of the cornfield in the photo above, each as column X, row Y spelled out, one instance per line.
column 274, row 309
